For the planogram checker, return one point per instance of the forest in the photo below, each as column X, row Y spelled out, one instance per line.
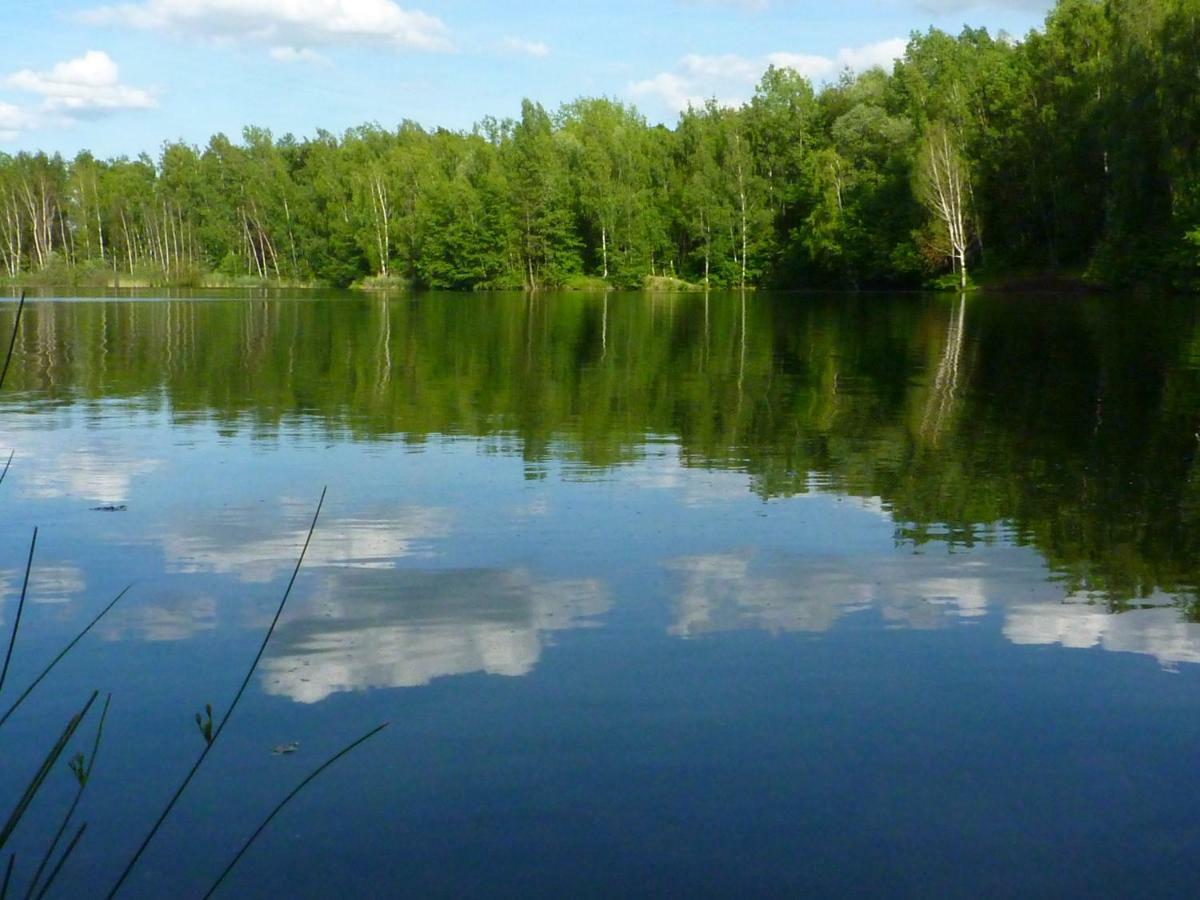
column 1071, row 151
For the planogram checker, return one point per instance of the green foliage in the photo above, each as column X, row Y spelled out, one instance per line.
column 589, row 283
column 662, row 284
column 948, row 282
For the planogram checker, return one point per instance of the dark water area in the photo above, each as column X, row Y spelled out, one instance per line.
column 714, row 595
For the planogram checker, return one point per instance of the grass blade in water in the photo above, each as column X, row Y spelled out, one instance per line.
column 84, row 777
column 65, row 650
column 284, row 802
column 13, row 341
column 12, row 640
column 40, row 777
column 62, row 860
column 229, row 712
column 4, row 474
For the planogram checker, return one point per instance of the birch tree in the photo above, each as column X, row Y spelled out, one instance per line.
column 943, row 186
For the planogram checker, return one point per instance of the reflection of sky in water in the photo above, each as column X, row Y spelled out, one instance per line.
column 504, row 563
column 230, row 544
column 48, row 583
column 729, row 592
column 367, row 628
column 1157, row 632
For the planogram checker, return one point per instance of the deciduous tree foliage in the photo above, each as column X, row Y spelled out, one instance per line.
column 1078, row 148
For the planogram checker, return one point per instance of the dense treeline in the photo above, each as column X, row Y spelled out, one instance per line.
column 1074, row 149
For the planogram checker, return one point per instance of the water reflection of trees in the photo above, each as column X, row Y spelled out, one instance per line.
column 1071, row 424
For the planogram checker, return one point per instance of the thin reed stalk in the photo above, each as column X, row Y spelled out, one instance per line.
column 62, row 860
column 65, row 650
column 39, row 777
column 84, row 776
column 13, row 341
column 228, row 713
column 12, row 639
column 8, row 463
column 284, row 802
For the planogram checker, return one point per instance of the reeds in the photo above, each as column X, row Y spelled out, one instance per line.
column 210, row 741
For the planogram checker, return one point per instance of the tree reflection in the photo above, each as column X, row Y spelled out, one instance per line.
column 1070, row 424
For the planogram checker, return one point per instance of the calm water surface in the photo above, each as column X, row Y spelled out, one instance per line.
column 725, row 595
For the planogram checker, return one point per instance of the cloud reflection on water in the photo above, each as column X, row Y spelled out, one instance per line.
column 367, row 628
column 165, row 619
column 101, row 474
column 234, row 543
column 739, row 591
column 1158, row 632
column 50, row 583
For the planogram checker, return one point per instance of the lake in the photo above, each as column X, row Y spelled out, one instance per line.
column 704, row 595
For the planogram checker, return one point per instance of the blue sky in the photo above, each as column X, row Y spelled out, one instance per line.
column 121, row 76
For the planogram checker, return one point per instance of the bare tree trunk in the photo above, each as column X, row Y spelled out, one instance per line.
column 128, row 241
column 174, row 233
column 291, row 239
column 99, row 221
column 742, row 203
column 68, row 247
column 31, row 204
column 12, row 236
column 944, row 186
column 743, row 199
column 47, row 219
column 379, row 198
column 83, row 205
column 264, row 242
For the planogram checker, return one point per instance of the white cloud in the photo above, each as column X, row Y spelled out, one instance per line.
column 727, row 77
column 525, row 48
column 88, row 83
column 14, row 120
column 868, row 56
column 731, row 78
column 282, row 23
column 674, row 91
column 810, row 66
